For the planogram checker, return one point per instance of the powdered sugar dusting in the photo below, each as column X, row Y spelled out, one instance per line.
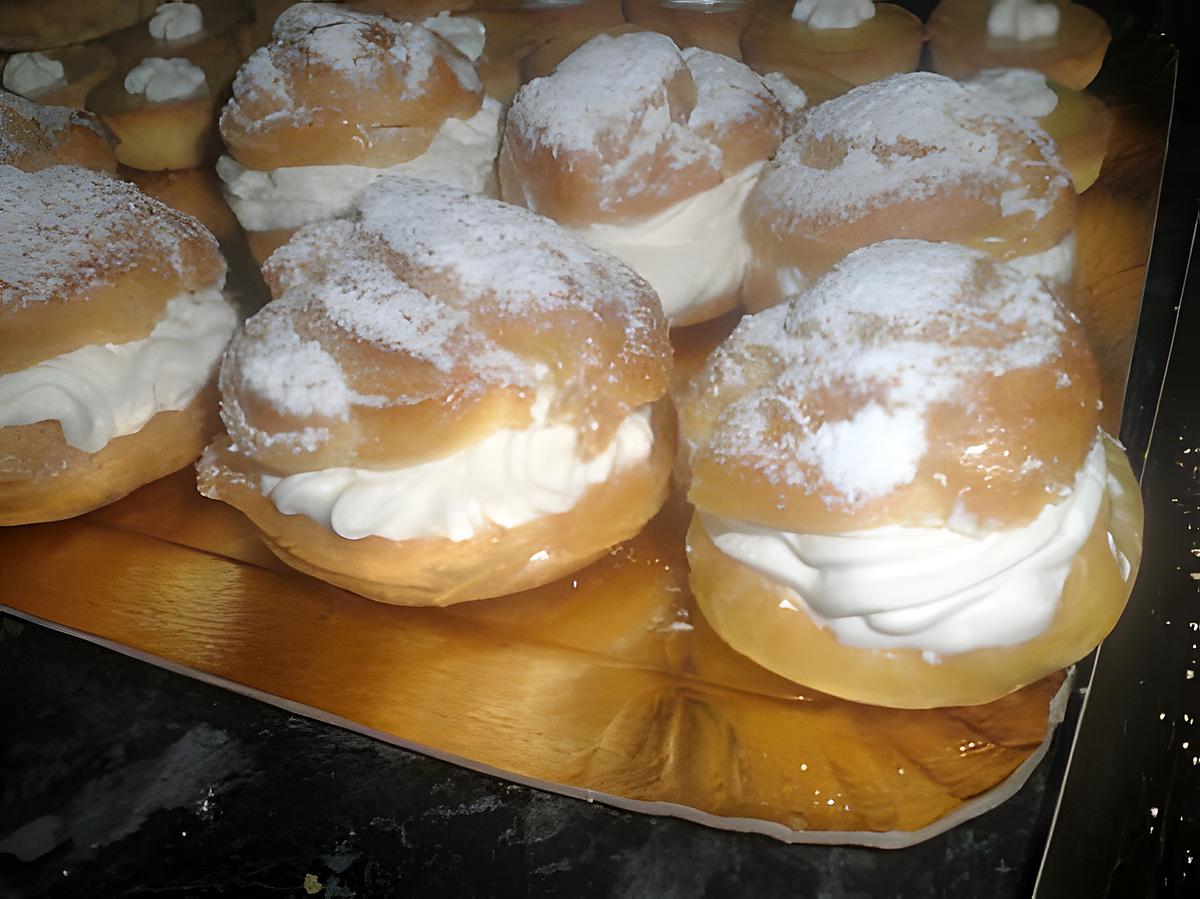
column 439, row 279
column 66, row 229
column 312, row 40
column 909, row 137
column 493, row 249
column 50, row 121
column 895, row 328
column 727, row 91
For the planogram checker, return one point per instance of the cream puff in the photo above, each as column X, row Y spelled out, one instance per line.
column 112, row 322
column 59, row 77
column 339, row 99
column 38, row 24
column 647, row 152
column 916, row 155
column 848, row 41
column 449, row 398
column 1078, row 123
column 902, row 495
column 34, row 137
column 1064, row 40
column 162, row 98
column 712, row 24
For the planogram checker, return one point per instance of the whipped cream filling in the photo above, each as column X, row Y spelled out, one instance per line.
column 160, row 80
column 938, row 590
column 174, row 21
column 1056, row 265
column 1022, row 20
column 462, row 154
column 692, row 252
column 831, row 14
column 104, row 391
column 28, row 73
column 508, row 479
column 1024, row 89
column 467, row 34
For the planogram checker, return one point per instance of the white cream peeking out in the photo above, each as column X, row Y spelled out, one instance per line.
column 104, row 391
column 932, row 589
column 462, row 154
column 1056, row 265
column 692, row 252
column 1022, row 20
column 508, row 479
column 28, row 73
column 832, row 14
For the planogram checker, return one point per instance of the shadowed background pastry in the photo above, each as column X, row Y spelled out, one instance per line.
column 916, row 155
column 339, row 99
column 902, row 494
column 820, row 44
column 34, row 137
column 647, row 152
column 111, row 324
column 449, row 398
column 1064, row 40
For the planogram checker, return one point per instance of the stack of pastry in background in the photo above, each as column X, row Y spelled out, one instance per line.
column 912, row 380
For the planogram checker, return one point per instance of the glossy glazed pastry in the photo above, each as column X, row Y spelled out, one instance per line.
column 714, row 25
column 647, row 152
column 449, row 398
column 339, row 99
column 848, row 41
column 1078, row 123
column 902, row 495
column 34, row 137
column 916, row 155
column 38, row 24
column 112, row 322
column 1066, row 41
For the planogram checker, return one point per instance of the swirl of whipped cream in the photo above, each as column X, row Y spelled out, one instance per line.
column 28, row 73
column 104, row 391
column 462, row 154
column 160, row 80
column 1022, row 20
column 833, row 14
column 691, row 252
column 939, row 590
column 509, row 478
column 175, row 20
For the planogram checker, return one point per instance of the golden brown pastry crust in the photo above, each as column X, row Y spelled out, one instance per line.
column 713, row 26
column 747, row 610
column 67, row 482
column 817, row 200
column 34, row 137
column 886, row 44
column 619, row 162
column 329, row 90
column 959, row 44
column 38, row 24
column 1011, row 428
column 100, row 262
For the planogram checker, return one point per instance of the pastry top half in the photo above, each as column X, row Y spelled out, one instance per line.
column 90, row 260
column 916, row 155
column 914, row 382
column 33, row 136
column 628, row 125
column 427, row 322
column 342, row 86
